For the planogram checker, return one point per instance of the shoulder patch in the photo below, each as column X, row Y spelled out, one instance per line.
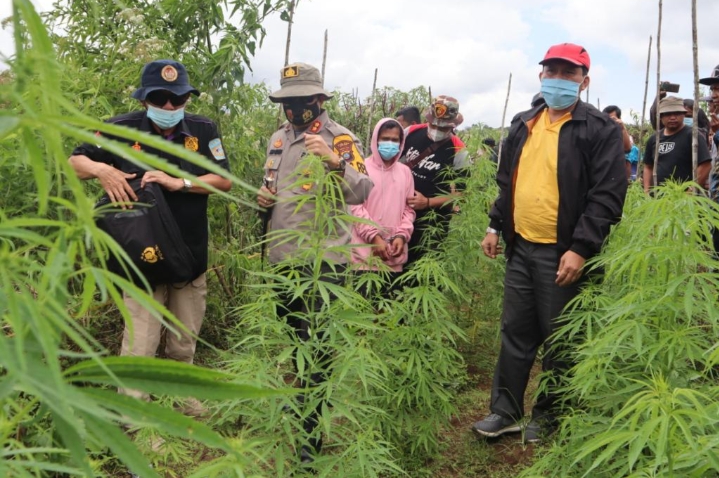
column 216, row 149
column 346, row 149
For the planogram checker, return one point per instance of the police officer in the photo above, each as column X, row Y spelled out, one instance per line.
column 308, row 130
column 164, row 91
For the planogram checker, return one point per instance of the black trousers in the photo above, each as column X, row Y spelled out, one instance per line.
column 298, row 314
column 532, row 305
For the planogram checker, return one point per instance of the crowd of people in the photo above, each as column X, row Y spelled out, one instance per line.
column 562, row 174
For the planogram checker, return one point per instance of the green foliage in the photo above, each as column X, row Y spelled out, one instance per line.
column 642, row 397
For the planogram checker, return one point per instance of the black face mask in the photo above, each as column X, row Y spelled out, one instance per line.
column 299, row 113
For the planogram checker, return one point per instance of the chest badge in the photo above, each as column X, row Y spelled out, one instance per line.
column 277, row 144
column 192, row 143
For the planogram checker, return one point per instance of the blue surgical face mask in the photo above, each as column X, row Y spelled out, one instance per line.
column 165, row 119
column 688, row 121
column 559, row 94
column 387, row 149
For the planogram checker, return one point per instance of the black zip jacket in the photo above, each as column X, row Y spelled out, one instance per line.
column 591, row 177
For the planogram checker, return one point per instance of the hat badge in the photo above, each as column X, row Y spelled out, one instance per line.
column 169, row 73
column 440, row 110
column 291, row 72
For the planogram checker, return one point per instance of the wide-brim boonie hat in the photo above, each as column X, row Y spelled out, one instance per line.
column 299, row 80
column 671, row 104
column 444, row 112
column 167, row 75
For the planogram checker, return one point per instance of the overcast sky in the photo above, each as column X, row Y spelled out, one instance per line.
column 468, row 48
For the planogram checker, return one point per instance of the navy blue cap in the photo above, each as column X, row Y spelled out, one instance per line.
column 167, row 75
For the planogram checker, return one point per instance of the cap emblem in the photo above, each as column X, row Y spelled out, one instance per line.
column 169, row 73
column 290, row 72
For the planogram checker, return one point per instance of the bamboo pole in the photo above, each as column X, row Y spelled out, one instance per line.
column 324, row 59
column 504, row 116
column 371, row 112
column 599, row 106
column 644, row 104
column 659, row 121
column 695, row 110
column 586, row 99
column 287, row 53
column 289, row 32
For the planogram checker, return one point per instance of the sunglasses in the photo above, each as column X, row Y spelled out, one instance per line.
column 161, row 97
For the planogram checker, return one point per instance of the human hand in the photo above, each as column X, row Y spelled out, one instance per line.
column 380, row 247
column 114, row 182
column 570, row 268
column 316, row 145
column 396, row 246
column 418, row 202
column 490, row 245
column 266, row 197
column 166, row 181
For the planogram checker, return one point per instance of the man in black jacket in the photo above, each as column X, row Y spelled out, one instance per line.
column 562, row 185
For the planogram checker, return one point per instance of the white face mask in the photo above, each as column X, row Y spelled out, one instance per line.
column 437, row 135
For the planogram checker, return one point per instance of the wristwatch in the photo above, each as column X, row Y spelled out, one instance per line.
column 186, row 185
column 491, row 231
column 340, row 166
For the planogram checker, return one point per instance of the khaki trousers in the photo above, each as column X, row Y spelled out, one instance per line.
column 187, row 302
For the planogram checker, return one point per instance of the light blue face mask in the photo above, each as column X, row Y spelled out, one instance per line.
column 165, row 119
column 559, row 94
column 688, row 121
column 387, row 149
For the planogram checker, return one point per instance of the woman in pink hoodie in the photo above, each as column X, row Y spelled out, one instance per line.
column 390, row 221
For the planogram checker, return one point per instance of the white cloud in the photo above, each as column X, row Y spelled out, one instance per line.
column 467, row 48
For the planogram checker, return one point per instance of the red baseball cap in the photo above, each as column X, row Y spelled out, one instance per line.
column 575, row 54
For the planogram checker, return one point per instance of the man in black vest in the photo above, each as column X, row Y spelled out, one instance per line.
column 164, row 93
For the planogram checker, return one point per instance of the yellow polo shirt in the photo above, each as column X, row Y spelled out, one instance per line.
column 536, row 190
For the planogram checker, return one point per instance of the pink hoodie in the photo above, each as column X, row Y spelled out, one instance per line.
column 386, row 205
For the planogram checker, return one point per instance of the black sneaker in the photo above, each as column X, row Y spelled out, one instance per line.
column 495, row 425
column 539, row 428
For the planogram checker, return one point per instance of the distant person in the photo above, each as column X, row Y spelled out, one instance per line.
column 436, row 157
column 491, row 145
column 632, row 160
column 675, row 148
column 616, row 114
column 392, row 220
column 408, row 116
column 561, row 188
column 702, row 119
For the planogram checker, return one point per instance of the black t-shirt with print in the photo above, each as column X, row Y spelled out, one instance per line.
column 434, row 173
column 194, row 132
column 675, row 155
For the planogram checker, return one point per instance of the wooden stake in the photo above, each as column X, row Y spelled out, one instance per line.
column 644, row 105
column 289, row 32
column 324, row 59
column 504, row 116
column 287, row 54
column 695, row 110
column 371, row 112
column 659, row 122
